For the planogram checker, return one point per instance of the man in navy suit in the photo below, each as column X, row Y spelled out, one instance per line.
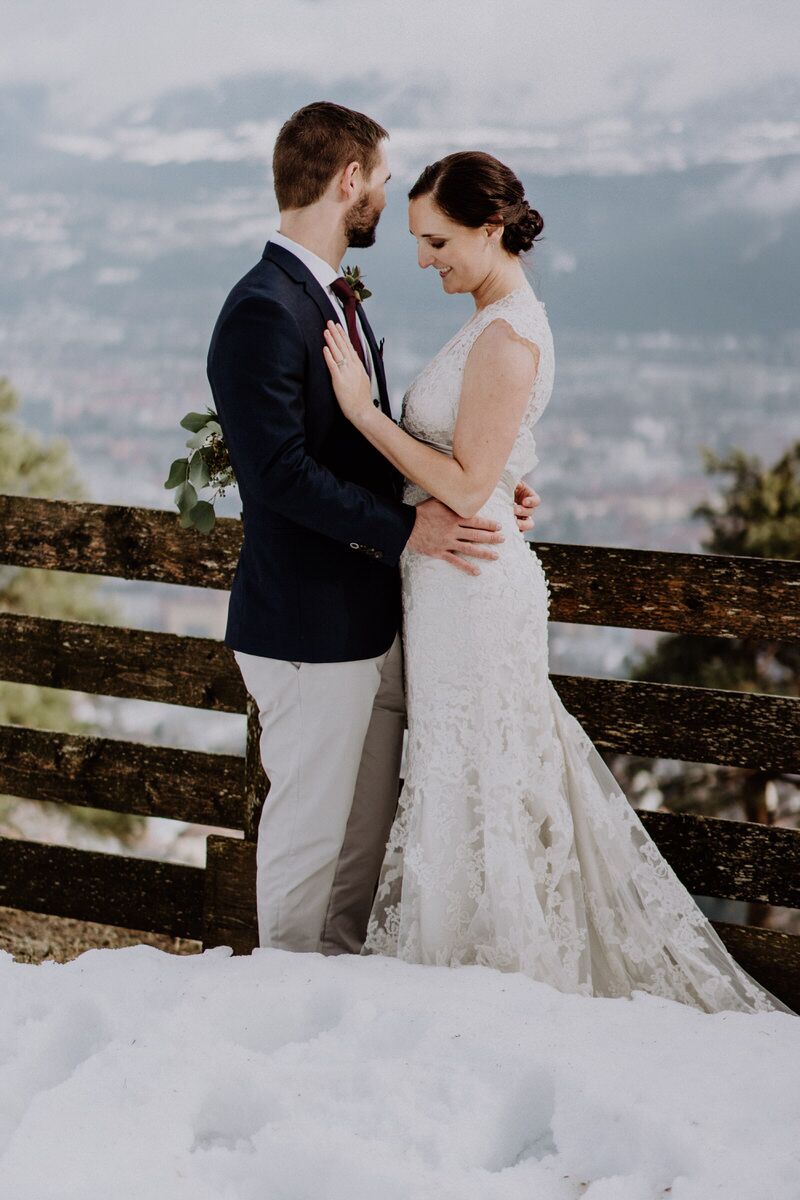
column 315, row 606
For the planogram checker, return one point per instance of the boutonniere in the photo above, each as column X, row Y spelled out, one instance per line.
column 356, row 281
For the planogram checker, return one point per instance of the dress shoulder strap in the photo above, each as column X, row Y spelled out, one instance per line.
column 520, row 308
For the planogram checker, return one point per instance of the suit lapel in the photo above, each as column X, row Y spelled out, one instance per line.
column 298, row 271
column 377, row 362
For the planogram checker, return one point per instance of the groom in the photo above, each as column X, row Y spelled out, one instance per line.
column 315, row 604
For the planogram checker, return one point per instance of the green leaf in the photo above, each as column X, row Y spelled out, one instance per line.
column 203, row 516
column 186, row 520
column 365, row 293
column 177, row 473
column 194, row 421
column 197, row 439
column 186, row 497
column 198, row 470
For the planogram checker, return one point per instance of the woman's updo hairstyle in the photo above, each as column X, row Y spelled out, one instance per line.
column 473, row 188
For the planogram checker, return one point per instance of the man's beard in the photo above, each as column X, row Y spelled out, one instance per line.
column 361, row 223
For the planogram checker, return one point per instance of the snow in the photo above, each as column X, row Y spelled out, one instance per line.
column 135, row 1073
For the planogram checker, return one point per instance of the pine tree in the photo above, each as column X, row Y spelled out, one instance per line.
column 759, row 516
column 756, row 515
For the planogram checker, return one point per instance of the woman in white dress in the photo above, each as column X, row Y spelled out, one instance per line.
column 513, row 845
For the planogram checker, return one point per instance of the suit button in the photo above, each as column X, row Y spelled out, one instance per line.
column 354, row 546
column 377, row 403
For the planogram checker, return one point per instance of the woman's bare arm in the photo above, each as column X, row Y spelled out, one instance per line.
column 498, row 377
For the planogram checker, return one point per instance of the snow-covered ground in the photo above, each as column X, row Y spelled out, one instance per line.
column 133, row 1073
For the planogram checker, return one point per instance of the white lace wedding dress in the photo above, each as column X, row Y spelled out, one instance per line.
column 513, row 845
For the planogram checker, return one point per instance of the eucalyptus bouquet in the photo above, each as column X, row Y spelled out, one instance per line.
column 207, row 465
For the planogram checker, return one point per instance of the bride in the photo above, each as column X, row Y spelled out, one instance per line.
column 513, row 845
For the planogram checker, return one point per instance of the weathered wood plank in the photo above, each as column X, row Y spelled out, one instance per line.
column 229, row 910
column 667, row 720
column 769, row 955
column 711, row 594
column 741, row 729
column 156, row 781
column 118, row 540
column 138, row 664
column 731, row 860
column 734, row 860
column 134, row 893
column 256, row 782
column 722, row 595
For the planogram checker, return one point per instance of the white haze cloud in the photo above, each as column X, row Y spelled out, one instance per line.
column 549, row 61
column 769, row 191
column 591, row 147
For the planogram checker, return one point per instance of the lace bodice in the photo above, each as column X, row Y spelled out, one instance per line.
column 430, row 406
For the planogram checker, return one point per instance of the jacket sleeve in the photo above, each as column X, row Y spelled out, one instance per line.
column 256, row 370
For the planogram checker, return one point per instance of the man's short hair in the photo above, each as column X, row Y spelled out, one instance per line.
column 316, row 143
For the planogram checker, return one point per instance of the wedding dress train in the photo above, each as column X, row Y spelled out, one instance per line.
column 513, row 844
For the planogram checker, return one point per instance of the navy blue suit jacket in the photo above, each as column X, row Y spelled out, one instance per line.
column 324, row 525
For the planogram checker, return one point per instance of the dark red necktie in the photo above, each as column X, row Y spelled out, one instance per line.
column 348, row 297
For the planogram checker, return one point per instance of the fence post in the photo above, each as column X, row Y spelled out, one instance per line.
column 755, row 799
column 230, row 916
column 256, row 784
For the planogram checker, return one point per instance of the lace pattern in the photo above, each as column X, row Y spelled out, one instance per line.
column 513, row 845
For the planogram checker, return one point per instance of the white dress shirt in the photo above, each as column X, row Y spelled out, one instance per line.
column 324, row 274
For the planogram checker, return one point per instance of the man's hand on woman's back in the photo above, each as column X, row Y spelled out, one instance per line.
column 441, row 533
column 525, row 501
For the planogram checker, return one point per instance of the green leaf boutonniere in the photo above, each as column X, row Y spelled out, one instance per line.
column 354, row 278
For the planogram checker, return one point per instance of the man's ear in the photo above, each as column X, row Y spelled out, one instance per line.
column 350, row 179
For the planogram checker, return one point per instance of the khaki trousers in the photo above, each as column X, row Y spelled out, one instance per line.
column 331, row 745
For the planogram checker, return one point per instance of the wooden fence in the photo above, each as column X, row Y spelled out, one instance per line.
column 686, row 593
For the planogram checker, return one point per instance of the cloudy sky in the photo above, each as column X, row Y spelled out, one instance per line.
column 562, row 60
column 147, row 125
